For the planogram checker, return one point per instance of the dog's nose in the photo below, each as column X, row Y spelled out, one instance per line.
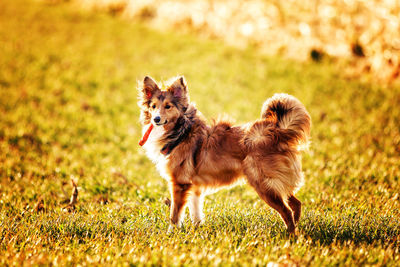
column 157, row 119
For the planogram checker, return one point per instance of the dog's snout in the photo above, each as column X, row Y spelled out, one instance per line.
column 157, row 119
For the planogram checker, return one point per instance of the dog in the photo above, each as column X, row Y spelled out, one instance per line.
column 196, row 158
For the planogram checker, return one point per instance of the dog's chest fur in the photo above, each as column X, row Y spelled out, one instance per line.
column 153, row 148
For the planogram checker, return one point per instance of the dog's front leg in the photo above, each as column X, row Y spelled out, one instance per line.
column 179, row 193
column 196, row 207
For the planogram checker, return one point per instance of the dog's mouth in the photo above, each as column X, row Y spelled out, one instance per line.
column 162, row 123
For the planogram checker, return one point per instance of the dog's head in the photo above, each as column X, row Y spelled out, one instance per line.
column 163, row 106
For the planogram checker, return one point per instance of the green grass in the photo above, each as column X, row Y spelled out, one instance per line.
column 68, row 109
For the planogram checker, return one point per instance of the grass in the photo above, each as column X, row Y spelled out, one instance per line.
column 68, row 110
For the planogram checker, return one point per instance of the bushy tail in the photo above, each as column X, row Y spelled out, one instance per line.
column 290, row 119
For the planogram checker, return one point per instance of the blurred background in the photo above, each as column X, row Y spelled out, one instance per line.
column 365, row 33
column 75, row 187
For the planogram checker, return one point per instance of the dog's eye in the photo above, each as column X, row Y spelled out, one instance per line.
column 153, row 106
column 167, row 106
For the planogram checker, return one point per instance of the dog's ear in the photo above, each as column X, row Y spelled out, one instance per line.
column 178, row 88
column 149, row 87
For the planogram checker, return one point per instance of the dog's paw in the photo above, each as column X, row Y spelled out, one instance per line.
column 171, row 229
column 293, row 232
column 197, row 223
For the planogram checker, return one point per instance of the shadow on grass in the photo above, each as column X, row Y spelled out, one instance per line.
column 324, row 227
column 332, row 227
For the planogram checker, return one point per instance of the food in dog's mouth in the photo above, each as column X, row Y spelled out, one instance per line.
column 146, row 135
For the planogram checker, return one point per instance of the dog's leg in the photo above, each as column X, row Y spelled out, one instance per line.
column 295, row 205
column 276, row 202
column 179, row 193
column 196, row 207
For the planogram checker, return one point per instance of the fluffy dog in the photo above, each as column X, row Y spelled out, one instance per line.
column 195, row 157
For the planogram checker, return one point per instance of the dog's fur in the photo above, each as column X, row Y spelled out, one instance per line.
column 195, row 157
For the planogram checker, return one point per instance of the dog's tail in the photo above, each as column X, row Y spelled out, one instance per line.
column 285, row 122
column 290, row 118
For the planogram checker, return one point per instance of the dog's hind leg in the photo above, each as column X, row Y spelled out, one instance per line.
column 276, row 202
column 179, row 193
column 295, row 205
column 274, row 181
column 196, row 207
column 272, row 197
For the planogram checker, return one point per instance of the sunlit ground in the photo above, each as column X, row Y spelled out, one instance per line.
column 68, row 111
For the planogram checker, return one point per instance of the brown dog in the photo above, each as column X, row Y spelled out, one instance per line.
column 196, row 158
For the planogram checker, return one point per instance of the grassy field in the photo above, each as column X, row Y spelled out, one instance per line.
column 68, row 111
